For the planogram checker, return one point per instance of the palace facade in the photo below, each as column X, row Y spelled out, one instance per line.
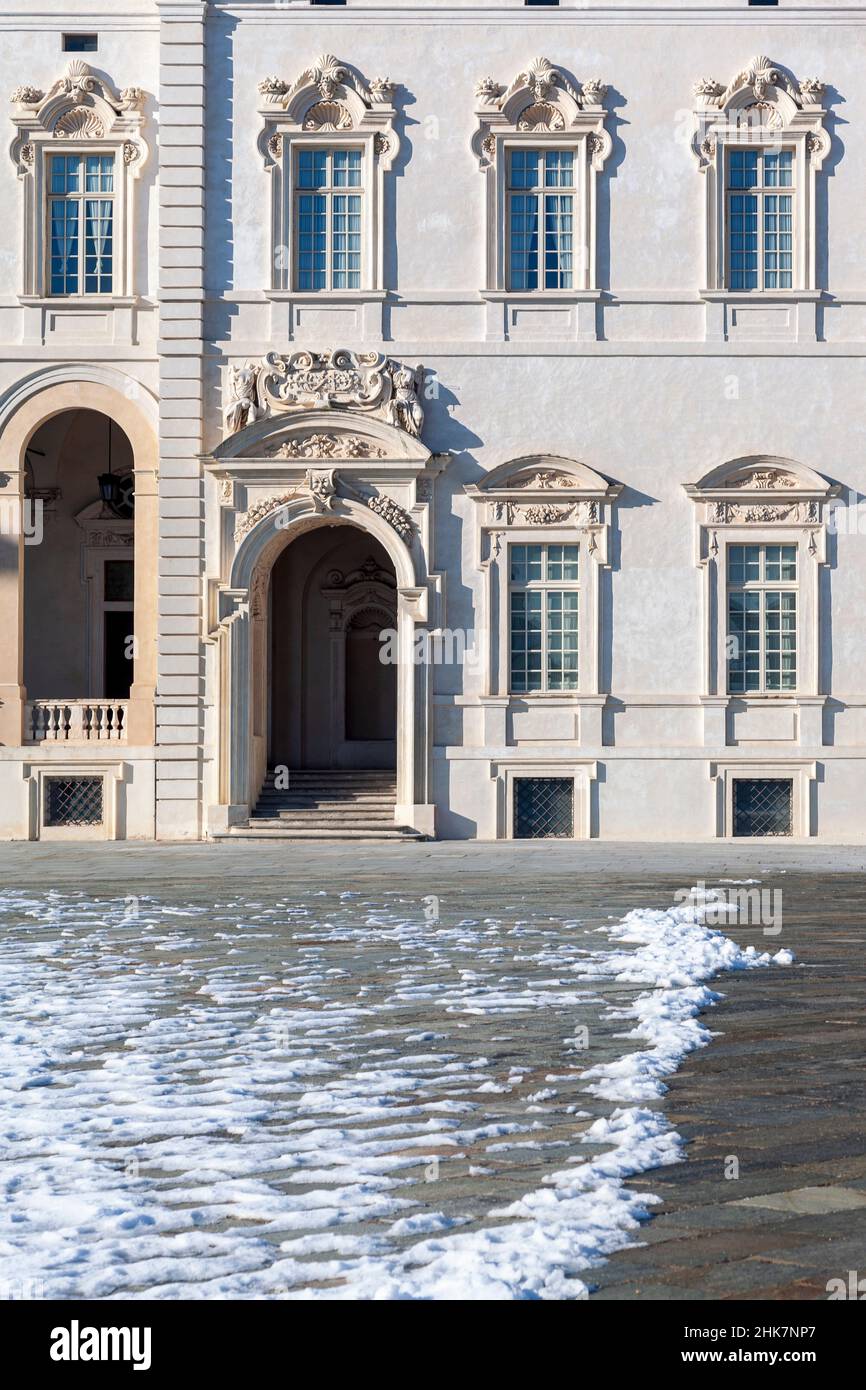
column 432, row 421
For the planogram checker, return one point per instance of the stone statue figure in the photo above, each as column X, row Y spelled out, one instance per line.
column 405, row 409
column 242, row 406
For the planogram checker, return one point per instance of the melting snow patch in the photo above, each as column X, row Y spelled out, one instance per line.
column 187, row 1119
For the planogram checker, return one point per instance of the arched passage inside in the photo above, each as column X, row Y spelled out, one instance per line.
column 55, row 429
column 357, row 599
column 79, row 583
column 332, row 652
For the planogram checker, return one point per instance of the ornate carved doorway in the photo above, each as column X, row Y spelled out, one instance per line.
column 333, row 700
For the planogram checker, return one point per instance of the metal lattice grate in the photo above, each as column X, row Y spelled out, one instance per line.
column 73, row 801
column 763, row 807
column 543, row 808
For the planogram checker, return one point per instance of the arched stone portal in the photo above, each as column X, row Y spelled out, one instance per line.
column 333, row 701
column 26, row 409
column 323, row 442
column 242, row 616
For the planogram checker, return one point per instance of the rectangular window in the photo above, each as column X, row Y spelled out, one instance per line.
column 80, row 43
column 328, row 219
column 71, row 801
column 543, row 593
column 762, row 619
column 760, row 219
column 540, row 219
column 81, row 223
column 544, row 808
column 763, row 806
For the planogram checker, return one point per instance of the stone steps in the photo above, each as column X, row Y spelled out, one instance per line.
column 331, row 804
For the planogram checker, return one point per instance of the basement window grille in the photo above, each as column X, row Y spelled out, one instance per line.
column 543, row 808
column 71, row 801
column 763, row 806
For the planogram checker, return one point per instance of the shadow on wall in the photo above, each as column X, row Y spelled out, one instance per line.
column 219, row 274
column 630, row 499
column 391, row 259
column 832, row 97
column 613, row 100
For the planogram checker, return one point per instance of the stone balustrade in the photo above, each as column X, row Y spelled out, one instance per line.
column 75, row 721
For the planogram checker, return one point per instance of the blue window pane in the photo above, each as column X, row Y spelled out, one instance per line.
column 743, row 242
column 312, row 169
column 743, row 168
column 779, row 169
column 99, row 173
column 65, row 173
column 558, row 242
column 524, row 242
column 524, row 168
column 64, row 246
column 346, row 241
column 312, row 241
column 347, row 168
column 98, row 245
column 559, row 168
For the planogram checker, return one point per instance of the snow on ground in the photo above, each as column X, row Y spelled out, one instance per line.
column 328, row 1096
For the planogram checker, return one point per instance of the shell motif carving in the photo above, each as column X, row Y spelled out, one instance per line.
column 541, row 116
column 81, row 123
column 328, row 115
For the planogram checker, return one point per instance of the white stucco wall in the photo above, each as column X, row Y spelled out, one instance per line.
column 649, row 398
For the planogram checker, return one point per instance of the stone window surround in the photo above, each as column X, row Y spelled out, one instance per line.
column 761, row 500
column 790, row 115
column 541, row 106
column 505, row 771
column 328, row 105
column 80, row 114
column 801, row 772
column 536, row 499
column 114, row 774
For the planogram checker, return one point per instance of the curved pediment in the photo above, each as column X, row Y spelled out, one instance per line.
column 546, row 473
column 324, row 436
column 768, row 473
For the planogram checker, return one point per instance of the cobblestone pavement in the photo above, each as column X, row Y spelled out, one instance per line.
column 780, row 1090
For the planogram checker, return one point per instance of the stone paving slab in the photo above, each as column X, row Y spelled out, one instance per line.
column 512, row 860
column 782, row 1089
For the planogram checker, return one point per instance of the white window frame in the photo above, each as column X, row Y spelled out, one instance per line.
column 541, row 108
column 80, row 115
column 761, row 499
column 328, row 106
column 760, row 192
column 81, row 198
column 766, row 109
column 329, row 192
column 540, row 192
column 541, row 498
column 544, row 586
column 762, row 587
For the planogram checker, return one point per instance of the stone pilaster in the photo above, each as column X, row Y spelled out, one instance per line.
column 180, row 688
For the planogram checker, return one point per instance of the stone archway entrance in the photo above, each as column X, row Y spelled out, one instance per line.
column 333, row 702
